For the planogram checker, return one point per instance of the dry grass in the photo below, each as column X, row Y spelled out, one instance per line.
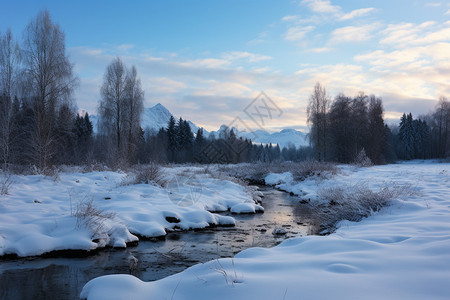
column 151, row 173
column 91, row 217
column 5, row 183
column 356, row 201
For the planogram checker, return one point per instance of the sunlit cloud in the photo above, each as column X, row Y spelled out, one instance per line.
column 402, row 34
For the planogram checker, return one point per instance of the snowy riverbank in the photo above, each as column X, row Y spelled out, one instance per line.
column 402, row 252
column 87, row 211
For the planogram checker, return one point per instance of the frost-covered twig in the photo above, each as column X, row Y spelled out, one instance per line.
column 5, row 183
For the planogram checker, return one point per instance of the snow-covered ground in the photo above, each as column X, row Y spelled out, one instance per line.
column 39, row 214
column 401, row 252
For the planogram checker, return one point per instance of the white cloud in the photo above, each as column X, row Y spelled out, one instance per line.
column 326, row 7
column 433, row 4
column 251, row 57
column 321, row 6
column 290, row 18
column 209, row 63
column 320, row 50
column 448, row 12
column 125, row 47
column 353, row 33
column 297, row 33
column 152, row 58
column 357, row 13
column 399, row 35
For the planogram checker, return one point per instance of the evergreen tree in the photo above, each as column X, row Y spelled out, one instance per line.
column 377, row 141
column 172, row 138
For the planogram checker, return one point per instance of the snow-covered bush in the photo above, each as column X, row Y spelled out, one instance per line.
column 362, row 160
column 355, row 201
column 148, row 174
column 308, row 168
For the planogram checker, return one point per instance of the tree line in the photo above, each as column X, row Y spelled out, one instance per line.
column 343, row 128
column 427, row 136
column 176, row 143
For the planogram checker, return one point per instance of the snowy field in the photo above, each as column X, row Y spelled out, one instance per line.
column 86, row 211
column 401, row 252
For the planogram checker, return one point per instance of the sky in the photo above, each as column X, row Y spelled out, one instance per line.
column 208, row 61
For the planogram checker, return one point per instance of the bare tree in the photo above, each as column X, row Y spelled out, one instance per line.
column 51, row 79
column 112, row 102
column 120, row 108
column 10, row 60
column 376, row 128
column 442, row 117
column 317, row 111
column 133, row 110
column 359, row 123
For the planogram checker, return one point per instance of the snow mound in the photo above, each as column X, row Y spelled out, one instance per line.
column 246, row 208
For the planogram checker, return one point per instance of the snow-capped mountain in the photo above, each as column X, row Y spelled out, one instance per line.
column 153, row 118
column 283, row 138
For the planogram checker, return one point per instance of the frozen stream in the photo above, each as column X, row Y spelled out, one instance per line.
column 63, row 278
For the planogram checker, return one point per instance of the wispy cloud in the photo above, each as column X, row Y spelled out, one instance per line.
column 243, row 55
column 321, row 6
column 326, row 7
column 399, row 35
column 356, row 13
column 433, row 4
column 353, row 33
column 320, row 50
column 297, row 33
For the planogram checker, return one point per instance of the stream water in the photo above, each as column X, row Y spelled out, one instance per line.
column 63, row 278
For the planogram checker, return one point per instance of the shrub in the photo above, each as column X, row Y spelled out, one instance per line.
column 302, row 170
column 362, row 160
column 150, row 173
column 91, row 217
column 5, row 183
column 355, row 202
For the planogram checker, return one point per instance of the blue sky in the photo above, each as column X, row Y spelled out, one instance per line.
column 207, row 60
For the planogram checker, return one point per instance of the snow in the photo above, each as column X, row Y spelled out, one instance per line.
column 401, row 252
column 38, row 214
column 246, row 208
